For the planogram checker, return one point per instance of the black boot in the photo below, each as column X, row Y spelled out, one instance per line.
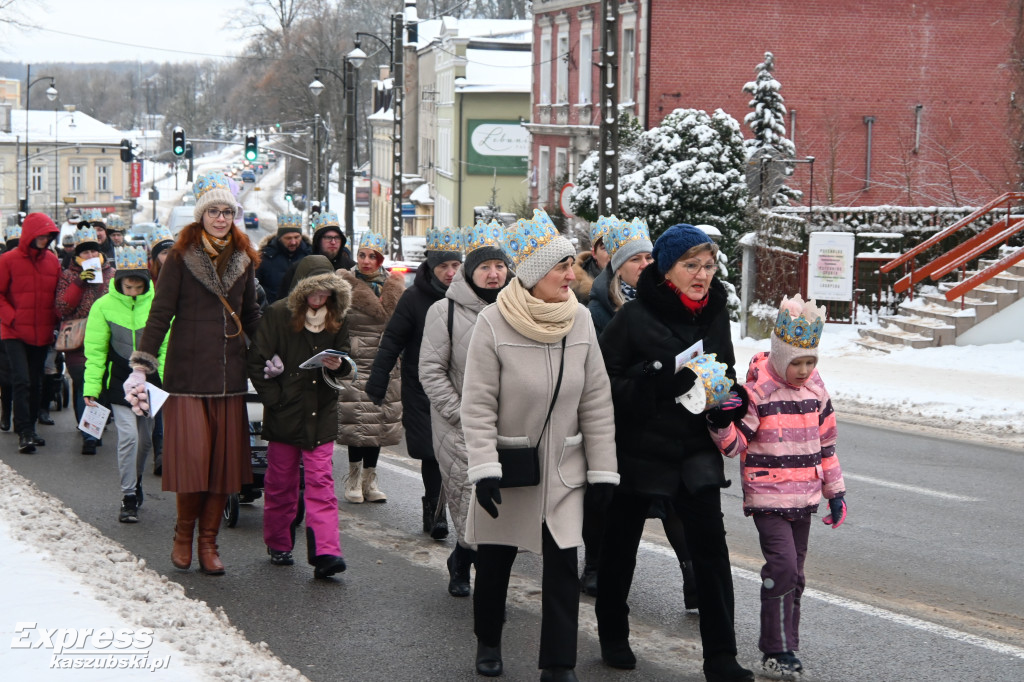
column 558, row 673
column 26, row 443
column 438, row 530
column 36, row 439
column 488, row 659
column 459, row 562
column 689, row 586
column 327, row 565
column 5, row 408
column 725, row 668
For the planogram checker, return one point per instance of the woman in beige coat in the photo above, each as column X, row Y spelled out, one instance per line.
column 535, row 334
column 446, row 334
column 363, row 426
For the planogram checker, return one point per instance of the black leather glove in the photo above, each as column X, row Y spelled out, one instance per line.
column 667, row 382
column 837, row 512
column 730, row 411
column 601, row 494
column 488, row 495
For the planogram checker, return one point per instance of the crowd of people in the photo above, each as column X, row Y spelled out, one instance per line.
column 553, row 399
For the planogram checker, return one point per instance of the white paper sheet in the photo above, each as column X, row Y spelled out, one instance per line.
column 318, row 359
column 157, row 398
column 690, row 353
column 94, row 418
column 95, row 266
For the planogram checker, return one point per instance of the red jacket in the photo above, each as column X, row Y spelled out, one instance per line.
column 28, row 283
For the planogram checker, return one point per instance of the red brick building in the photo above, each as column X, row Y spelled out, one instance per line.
column 929, row 85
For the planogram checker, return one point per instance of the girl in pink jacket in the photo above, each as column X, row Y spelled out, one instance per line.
column 783, row 427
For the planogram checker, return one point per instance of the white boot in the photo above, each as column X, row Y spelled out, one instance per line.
column 354, row 483
column 371, row 493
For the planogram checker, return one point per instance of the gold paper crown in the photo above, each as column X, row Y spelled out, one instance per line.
column 800, row 322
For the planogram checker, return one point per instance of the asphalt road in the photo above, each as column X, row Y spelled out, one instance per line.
column 921, row 583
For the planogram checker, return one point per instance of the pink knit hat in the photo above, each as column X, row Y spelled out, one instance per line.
column 797, row 332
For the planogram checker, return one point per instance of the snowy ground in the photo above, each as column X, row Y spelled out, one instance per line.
column 60, row 572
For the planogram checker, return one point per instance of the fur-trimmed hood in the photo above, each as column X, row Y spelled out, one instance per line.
column 202, row 268
column 378, row 310
column 314, row 273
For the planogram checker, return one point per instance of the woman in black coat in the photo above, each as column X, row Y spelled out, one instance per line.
column 402, row 337
column 664, row 451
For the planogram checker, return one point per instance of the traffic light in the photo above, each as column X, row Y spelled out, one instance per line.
column 188, row 150
column 287, row 196
column 251, row 150
column 126, row 151
column 178, row 143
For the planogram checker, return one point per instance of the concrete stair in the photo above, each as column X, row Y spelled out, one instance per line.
column 930, row 320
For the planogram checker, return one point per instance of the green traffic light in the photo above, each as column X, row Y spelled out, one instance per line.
column 179, row 150
column 250, row 155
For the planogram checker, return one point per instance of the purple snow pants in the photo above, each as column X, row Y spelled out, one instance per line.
column 784, row 545
column 281, row 489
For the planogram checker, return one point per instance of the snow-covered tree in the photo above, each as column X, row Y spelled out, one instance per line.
column 767, row 122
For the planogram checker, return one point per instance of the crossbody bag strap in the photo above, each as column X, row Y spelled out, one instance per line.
column 234, row 318
column 554, row 397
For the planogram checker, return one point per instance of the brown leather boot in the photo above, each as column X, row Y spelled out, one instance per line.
column 189, row 506
column 209, row 526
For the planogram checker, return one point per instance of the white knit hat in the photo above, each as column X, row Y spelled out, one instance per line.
column 212, row 189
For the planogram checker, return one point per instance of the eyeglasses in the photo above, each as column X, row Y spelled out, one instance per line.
column 694, row 268
column 331, row 238
column 215, row 213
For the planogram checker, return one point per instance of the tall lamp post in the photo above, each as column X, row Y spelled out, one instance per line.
column 51, row 94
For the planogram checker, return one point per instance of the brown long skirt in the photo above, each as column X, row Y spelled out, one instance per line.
column 206, row 444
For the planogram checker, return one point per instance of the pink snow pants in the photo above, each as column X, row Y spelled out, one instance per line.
column 281, row 491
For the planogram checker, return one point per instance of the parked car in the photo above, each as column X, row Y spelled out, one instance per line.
column 180, row 217
column 408, row 268
column 252, row 221
column 248, row 175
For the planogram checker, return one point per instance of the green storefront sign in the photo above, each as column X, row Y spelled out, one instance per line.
column 497, row 146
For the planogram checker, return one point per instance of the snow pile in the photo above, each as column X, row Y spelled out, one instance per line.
column 83, row 576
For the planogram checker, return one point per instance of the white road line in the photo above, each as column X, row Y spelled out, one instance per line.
column 832, row 599
column 910, row 488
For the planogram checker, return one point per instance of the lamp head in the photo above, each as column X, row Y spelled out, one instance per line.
column 51, row 92
column 356, row 56
column 316, row 87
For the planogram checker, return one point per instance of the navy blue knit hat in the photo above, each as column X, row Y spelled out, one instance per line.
column 674, row 242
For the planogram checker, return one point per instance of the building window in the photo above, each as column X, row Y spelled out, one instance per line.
column 586, row 68
column 77, row 178
column 561, row 165
column 444, row 150
column 102, row 178
column 543, row 176
column 627, row 65
column 544, row 63
column 38, row 179
column 562, row 61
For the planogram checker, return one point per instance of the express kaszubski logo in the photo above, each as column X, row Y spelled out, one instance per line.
column 83, row 648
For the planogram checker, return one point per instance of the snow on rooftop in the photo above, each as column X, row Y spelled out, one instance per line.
column 69, row 126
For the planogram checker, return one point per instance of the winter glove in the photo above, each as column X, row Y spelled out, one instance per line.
column 86, row 276
column 601, row 494
column 138, row 397
column 667, row 382
column 488, row 494
column 273, row 367
column 730, row 411
column 837, row 509
column 136, row 378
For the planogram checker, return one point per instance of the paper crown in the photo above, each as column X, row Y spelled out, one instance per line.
column 209, row 182
column 800, row 322
column 711, row 374
column 444, row 239
column 85, row 235
column 325, row 219
column 482, row 234
column 12, row 232
column 372, row 240
column 621, row 233
column 160, row 234
column 115, row 223
column 526, row 237
column 291, row 221
column 602, row 227
column 130, row 258
column 92, row 215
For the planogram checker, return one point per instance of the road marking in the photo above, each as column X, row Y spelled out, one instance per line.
column 832, row 599
column 910, row 488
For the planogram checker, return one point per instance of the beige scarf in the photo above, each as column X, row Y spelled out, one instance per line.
column 316, row 319
column 532, row 317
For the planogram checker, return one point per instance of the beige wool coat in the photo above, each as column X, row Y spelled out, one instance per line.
column 505, row 397
column 442, row 370
column 360, row 422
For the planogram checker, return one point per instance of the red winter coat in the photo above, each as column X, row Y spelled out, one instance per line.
column 28, row 283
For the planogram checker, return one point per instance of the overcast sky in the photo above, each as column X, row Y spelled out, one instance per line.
column 115, row 30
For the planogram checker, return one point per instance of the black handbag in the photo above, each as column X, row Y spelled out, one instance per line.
column 520, row 467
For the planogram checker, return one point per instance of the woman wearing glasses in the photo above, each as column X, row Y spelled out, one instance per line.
column 208, row 288
column 664, row 451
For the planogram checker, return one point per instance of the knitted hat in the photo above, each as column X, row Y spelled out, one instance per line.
column 626, row 240
column 535, row 246
column 674, row 242
column 372, row 240
column 443, row 244
column 130, row 262
column 159, row 241
column 797, row 332
column 482, row 243
column 289, row 222
column 115, row 223
column 212, row 189
column 85, row 239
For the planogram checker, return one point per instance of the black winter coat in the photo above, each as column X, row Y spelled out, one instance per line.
column 660, row 444
column 402, row 337
column 275, row 261
column 341, row 261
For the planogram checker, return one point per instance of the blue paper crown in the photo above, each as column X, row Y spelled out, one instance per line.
column 160, row 234
column 85, row 235
column 12, row 232
column 211, row 181
column 603, row 226
column 711, row 373
column 624, row 232
column 130, row 258
column 527, row 236
column 92, row 215
column 804, row 331
column 372, row 240
column 290, row 220
column 444, row 239
column 482, row 234
column 115, row 223
column 325, row 219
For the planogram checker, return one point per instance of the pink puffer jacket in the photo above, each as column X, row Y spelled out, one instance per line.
column 786, row 443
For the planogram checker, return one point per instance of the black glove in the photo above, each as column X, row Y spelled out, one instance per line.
column 667, row 382
column 730, row 411
column 375, row 399
column 600, row 494
column 488, row 495
column 837, row 512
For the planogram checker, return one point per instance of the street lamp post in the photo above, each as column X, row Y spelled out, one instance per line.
column 51, row 94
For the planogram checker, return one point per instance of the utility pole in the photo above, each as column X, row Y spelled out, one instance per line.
column 398, row 75
column 608, row 150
